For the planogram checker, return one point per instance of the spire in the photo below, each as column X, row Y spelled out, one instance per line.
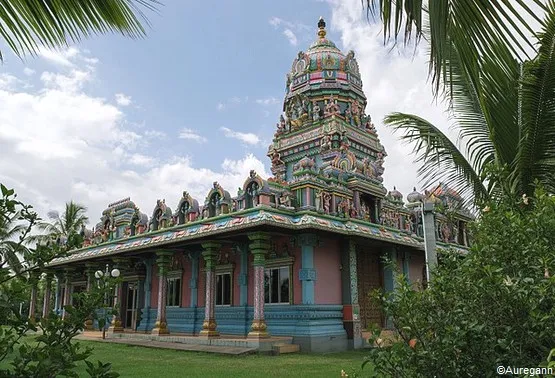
column 322, row 28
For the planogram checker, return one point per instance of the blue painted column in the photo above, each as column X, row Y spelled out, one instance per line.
column 307, row 274
column 193, row 283
column 349, row 292
column 243, row 275
column 148, row 282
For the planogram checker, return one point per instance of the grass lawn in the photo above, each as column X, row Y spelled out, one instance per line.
column 135, row 361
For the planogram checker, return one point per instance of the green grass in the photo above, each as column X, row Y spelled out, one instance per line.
column 135, row 361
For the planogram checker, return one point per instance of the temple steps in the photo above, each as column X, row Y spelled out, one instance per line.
column 231, row 345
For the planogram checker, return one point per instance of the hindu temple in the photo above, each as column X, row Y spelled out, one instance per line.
column 293, row 255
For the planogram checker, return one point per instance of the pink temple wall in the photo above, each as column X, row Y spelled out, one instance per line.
column 154, row 287
column 235, row 280
column 185, row 278
column 250, row 279
column 327, row 260
column 416, row 266
column 201, row 294
column 297, row 285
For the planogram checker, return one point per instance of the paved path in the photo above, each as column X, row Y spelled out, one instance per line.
column 174, row 346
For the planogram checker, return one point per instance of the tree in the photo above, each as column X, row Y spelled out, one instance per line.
column 16, row 222
column 493, row 307
column 502, row 107
column 26, row 25
column 53, row 352
column 65, row 230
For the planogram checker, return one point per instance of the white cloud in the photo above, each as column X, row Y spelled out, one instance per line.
column 394, row 80
column 191, row 134
column 60, row 57
column 232, row 102
column 267, row 101
column 289, row 29
column 28, row 71
column 71, row 82
column 291, row 37
column 59, row 143
column 123, row 100
column 9, row 82
column 248, row 138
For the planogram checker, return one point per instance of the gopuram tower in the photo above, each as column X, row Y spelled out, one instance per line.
column 325, row 147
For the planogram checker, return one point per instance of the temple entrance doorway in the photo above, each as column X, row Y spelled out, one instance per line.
column 370, row 277
column 131, row 305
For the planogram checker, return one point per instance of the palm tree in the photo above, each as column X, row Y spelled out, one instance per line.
column 504, row 108
column 65, row 230
column 16, row 222
column 26, row 25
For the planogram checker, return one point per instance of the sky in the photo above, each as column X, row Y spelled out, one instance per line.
column 194, row 102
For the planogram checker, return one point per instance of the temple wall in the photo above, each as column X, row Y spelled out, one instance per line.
column 201, row 283
column 297, row 284
column 154, row 288
column 416, row 267
column 327, row 262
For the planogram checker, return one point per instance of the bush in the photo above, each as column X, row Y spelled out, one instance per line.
column 493, row 307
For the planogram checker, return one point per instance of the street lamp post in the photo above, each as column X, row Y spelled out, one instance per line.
column 103, row 280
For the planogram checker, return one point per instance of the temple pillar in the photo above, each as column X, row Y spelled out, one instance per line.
column 406, row 265
column 307, row 274
column 428, row 221
column 210, row 254
column 356, row 200
column 349, row 291
column 163, row 262
column 259, row 246
column 66, row 293
column 34, row 278
column 89, row 272
column 47, row 294
column 115, row 325
column 58, row 294
column 389, row 276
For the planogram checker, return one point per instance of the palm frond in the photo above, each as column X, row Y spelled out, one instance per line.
column 438, row 157
column 473, row 26
column 26, row 25
column 537, row 146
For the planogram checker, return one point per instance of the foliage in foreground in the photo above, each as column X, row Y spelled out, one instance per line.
column 52, row 352
column 493, row 307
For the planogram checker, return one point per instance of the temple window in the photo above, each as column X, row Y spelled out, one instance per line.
column 174, row 292
column 223, row 289
column 276, row 285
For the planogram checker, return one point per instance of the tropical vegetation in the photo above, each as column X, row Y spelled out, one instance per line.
column 500, row 99
column 26, row 25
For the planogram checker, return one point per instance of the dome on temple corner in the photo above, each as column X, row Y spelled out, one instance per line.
column 324, row 63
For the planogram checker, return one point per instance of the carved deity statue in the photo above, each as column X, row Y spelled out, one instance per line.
column 318, row 200
column 276, row 158
column 315, row 111
column 325, row 143
column 349, row 115
column 326, row 202
column 331, row 107
column 356, row 110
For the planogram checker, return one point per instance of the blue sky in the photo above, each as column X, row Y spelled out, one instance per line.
column 194, row 102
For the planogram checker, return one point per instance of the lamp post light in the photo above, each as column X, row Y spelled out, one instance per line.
column 103, row 281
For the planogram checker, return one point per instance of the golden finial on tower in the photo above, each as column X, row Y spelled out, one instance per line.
column 322, row 28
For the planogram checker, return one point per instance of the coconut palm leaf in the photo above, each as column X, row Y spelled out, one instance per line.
column 536, row 158
column 439, row 158
column 26, row 25
column 474, row 27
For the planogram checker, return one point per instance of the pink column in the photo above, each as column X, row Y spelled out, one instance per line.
column 259, row 246
column 161, row 325
column 89, row 324
column 47, row 294
column 67, row 295
column 33, row 301
column 210, row 253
